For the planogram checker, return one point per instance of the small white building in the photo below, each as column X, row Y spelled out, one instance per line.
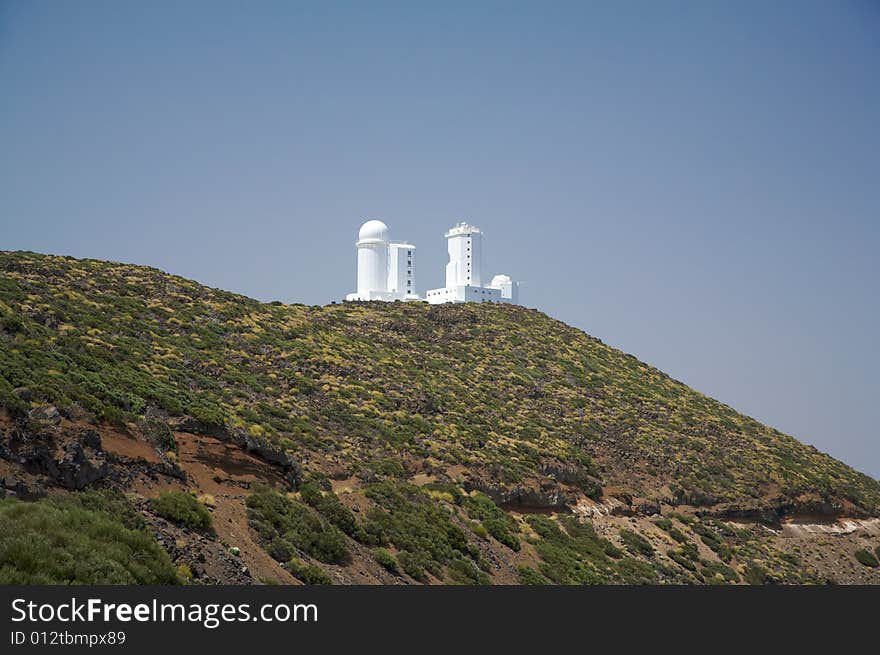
column 509, row 289
column 385, row 269
column 464, row 275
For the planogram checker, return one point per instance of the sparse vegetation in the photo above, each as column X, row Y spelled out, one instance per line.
column 669, row 527
column 422, row 529
column 713, row 540
column 327, row 503
column 286, row 526
column 636, row 543
column 529, row 576
column 572, row 553
column 756, row 574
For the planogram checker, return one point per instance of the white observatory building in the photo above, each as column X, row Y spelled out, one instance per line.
column 464, row 273
column 385, row 269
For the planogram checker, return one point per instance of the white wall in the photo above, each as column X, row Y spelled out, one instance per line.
column 463, row 293
column 402, row 268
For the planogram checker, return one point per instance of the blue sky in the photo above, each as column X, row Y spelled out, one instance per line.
column 697, row 183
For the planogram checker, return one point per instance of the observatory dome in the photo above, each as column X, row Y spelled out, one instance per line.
column 499, row 280
column 373, row 231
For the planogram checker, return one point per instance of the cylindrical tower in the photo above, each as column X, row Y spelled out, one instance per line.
column 464, row 243
column 372, row 249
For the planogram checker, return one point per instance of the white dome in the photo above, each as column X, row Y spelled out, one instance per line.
column 373, row 231
column 499, row 280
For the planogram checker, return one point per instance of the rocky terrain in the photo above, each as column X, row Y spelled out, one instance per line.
column 224, row 441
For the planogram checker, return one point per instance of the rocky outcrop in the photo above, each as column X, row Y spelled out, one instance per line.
column 46, row 414
column 546, row 495
column 774, row 511
column 73, row 465
column 20, row 489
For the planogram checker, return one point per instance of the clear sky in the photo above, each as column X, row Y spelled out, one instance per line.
column 697, row 183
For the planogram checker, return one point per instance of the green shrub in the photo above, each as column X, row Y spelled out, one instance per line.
column 309, row 573
column 208, row 414
column 386, row 559
column 285, row 525
column 713, row 541
column 464, row 571
column 866, row 557
column 412, row 566
column 575, row 555
column 330, row 507
column 636, row 543
column 496, row 521
column 611, row 550
column 757, row 575
column 60, row 541
column 479, row 529
column 11, row 324
column 682, row 559
column 529, row 576
column 182, row 508
column 635, row 572
column 711, row 570
column 667, row 525
column 419, row 526
column 16, row 407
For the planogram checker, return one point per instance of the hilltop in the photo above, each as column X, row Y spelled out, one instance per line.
column 393, row 442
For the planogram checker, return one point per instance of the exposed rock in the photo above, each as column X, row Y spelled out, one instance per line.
column 76, row 469
column 45, row 414
column 91, row 439
column 21, row 490
column 78, row 463
column 546, row 495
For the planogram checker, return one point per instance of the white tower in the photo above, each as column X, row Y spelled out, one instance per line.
column 372, row 250
column 464, row 243
column 464, row 274
column 402, row 269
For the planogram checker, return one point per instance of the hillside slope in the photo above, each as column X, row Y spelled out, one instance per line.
column 524, row 435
